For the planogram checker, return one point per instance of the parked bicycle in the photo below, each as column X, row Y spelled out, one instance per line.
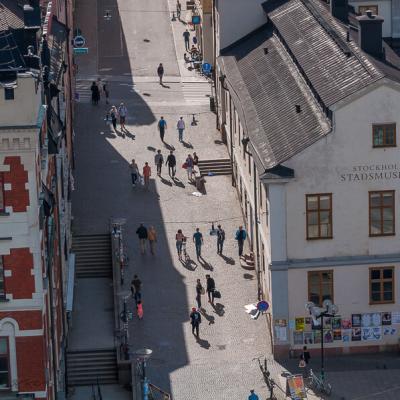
column 318, row 384
column 267, row 377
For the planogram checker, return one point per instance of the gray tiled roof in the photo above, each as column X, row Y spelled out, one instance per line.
column 320, row 48
column 11, row 15
column 267, row 88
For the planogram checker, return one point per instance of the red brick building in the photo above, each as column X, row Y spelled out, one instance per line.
column 36, row 155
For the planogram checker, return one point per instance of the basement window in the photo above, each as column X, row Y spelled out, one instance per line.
column 8, row 94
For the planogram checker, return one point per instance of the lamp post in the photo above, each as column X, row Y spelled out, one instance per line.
column 142, row 355
column 317, row 313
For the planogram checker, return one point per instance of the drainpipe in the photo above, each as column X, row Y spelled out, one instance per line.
column 214, row 61
column 257, row 233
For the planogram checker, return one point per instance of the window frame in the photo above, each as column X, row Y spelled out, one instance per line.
column 381, row 282
column 319, row 195
column 320, row 272
column 7, row 339
column 384, row 126
column 2, row 204
column 381, row 207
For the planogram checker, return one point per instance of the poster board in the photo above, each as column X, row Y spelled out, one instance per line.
column 295, row 387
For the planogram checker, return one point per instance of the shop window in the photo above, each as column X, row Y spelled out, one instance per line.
column 319, row 216
column 4, row 364
column 381, row 213
column 320, row 286
column 381, row 285
column 384, row 135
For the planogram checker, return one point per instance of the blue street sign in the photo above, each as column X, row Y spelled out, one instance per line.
column 79, row 41
column 262, row 306
column 195, row 19
column 206, row 68
column 81, row 50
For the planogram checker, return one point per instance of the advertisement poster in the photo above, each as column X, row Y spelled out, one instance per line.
column 371, row 333
column 327, row 322
column 370, row 319
column 336, row 323
column 356, row 321
column 328, row 336
column 396, row 317
column 386, row 318
column 297, row 391
column 299, row 324
column 307, row 323
column 297, row 337
column 389, row 330
column 291, row 324
column 281, row 322
column 356, row 334
column 337, row 334
column 346, row 335
column 281, row 333
column 346, row 323
column 317, row 336
column 308, row 337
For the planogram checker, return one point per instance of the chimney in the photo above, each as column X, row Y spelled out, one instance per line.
column 340, row 9
column 370, row 33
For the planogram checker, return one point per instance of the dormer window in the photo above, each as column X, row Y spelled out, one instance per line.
column 8, row 94
column 384, row 135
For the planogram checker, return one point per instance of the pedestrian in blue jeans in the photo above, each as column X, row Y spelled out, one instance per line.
column 198, row 241
column 240, row 237
column 181, row 127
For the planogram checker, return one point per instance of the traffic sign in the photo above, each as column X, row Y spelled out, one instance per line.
column 79, row 41
column 262, row 306
column 81, row 50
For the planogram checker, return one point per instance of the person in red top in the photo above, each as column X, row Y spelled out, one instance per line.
column 146, row 175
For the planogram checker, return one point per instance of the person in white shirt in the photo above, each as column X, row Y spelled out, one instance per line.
column 122, row 111
column 181, row 127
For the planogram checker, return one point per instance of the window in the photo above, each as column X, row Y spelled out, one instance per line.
column 2, row 290
column 1, row 193
column 381, row 213
column 362, row 9
column 384, row 135
column 381, row 285
column 319, row 216
column 8, row 93
column 320, row 286
column 4, row 364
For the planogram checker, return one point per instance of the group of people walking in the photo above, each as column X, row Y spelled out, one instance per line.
column 97, row 88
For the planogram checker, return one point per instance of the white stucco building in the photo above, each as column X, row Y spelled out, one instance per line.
column 310, row 114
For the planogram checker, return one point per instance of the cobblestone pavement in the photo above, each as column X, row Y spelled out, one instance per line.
column 220, row 365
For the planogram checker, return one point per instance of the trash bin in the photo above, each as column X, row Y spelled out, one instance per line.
column 212, row 104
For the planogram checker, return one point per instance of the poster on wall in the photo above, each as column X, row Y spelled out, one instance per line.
column 371, row 333
column 307, row 324
column 396, row 317
column 299, row 324
column 291, row 324
column 336, row 322
column 389, row 331
column 370, row 319
column 346, row 323
column 327, row 322
column 308, row 338
column 297, row 337
column 281, row 333
column 346, row 335
column 337, row 334
column 386, row 318
column 356, row 321
column 328, row 336
column 317, row 336
column 356, row 334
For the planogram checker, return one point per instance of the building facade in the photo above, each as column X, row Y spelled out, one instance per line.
column 35, row 170
column 310, row 122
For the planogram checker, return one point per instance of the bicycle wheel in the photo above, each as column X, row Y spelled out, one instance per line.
column 327, row 388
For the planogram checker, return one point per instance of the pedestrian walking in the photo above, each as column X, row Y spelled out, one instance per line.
column 195, row 320
column 186, row 38
column 171, row 162
column 189, row 167
column 136, row 288
column 181, row 127
column 220, row 239
column 160, row 73
column 199, row 292
column 106, row 92
column 146, row 175
column 253, row 396
column 195, row 159
column 198, row 241
column 304, row 360
column 179, row 237
column 241, row 236
column 152, row 238
column 142, row 235
column 162, row 126
column 114, row 115
column 139, row 309
column 159, row 161
column 122, row 112
column 178, row 9
column 210, row 287
column 95, row 93
column 134, row 172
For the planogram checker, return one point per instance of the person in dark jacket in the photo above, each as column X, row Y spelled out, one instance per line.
column 195, row 320
column 171, row 162
column 199, row 292
column 160, row 73
column 95, row 93
column 142, row 235
column 210, row 288
column 136, row 288
column 220, row 239
column 241, row 236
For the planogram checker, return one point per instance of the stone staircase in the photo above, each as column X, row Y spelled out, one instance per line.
column 91, row 366
column 215, row 167
column 93, row 256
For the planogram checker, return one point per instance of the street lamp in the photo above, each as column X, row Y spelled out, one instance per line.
column 142, row 355
column 328, row 309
